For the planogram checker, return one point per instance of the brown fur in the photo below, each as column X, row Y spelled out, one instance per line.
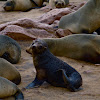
column 7, row 89
column 86, row 19
column 7, row 70
column 78, row 46
column 22, row 5
column 8, row 73
column 9, row 49
column 58, row 3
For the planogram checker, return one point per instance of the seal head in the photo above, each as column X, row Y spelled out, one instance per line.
column 9, row 6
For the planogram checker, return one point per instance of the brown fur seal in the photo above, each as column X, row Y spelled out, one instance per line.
column 78, row 46
column 58, row 3
column 7, row 70
column 9, row 49
column 8, row 88
column 22, row 5
column 51, row 69
column 84, row 20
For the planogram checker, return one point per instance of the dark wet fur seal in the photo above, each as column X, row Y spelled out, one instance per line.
column 52, row 70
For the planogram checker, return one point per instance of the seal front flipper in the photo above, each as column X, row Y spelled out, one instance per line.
column 19, row 95
column 35, row 83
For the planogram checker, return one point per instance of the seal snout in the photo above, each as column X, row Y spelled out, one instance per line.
column 6, row 8
column 59, row 4
column 9, row 6
column 38, row 46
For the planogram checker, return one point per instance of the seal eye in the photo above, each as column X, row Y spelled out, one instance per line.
column 56, row 2
column 33, row 47
column 32, row 43
column 40, row 47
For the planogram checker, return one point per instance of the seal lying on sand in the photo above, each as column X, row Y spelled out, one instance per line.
column 7, row 70
column 58, row 3
column 52, row 70
column 84, row 47
column 9, row 73
column 8, row 88
column 9, row 49
column 84, row 20
column 22, row 5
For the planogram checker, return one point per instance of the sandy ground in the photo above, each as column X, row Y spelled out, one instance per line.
column 90, row 72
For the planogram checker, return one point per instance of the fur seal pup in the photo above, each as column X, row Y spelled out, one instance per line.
column 52, row 70
column 7, row 70
column 84, row 20
column 22, row 5
column 58, row 3
column 8, row 88
column 9, row 49
column 76, row 46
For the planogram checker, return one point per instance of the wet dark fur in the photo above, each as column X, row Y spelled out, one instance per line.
column 52, row 70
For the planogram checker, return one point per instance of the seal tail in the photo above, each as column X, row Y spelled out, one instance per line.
column 19, row 95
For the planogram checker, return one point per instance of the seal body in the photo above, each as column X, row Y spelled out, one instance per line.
column 52, row 70
column 8, row 88
column 76, row 46
column 9, row 77
column 9, row 49
column 84, row 20
column 22, row 5
column 58, row 3
column 7, row 70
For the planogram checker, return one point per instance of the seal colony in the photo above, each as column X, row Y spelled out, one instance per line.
column 22, row 5
column 9, row 49
column 76, row 46
column 9, row 73
column 84, row 20
column 52, row 70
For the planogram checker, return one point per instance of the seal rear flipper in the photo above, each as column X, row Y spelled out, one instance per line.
column 67, row 80
column 19, row 95
column 8, row 57
column 35, row 83
column 73, row 82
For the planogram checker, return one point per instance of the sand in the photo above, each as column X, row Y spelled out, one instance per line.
column 90, row 72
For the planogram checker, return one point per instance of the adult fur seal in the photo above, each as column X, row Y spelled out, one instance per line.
column 22, row 5
column 52, row 70
column 84, row 20
column 7, row 70
column 77, row 46
column 9, row 49
column 8, row 88
column 58, row 3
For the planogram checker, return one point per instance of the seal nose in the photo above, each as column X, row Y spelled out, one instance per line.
column 62, row 4
column 56, row 2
